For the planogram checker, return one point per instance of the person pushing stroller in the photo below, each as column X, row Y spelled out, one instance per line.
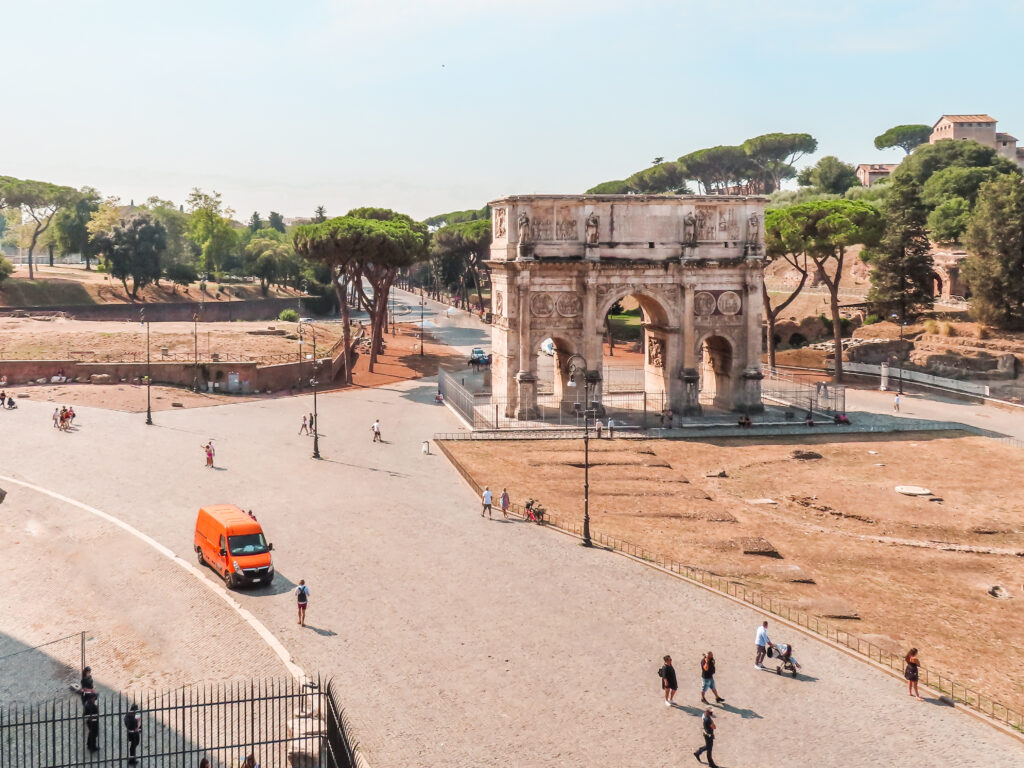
column 784, row 658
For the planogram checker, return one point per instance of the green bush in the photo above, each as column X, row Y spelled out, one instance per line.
column 288, row 316
column 844, row 325
column 181, row 273
column 872, row 319
column 5, row 269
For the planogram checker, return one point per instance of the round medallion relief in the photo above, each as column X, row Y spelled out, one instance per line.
column 729, row 303
column 568, row 305
column 541, row 304
column 703, row 303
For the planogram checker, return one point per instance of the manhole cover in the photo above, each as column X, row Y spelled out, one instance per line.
column 913, row 490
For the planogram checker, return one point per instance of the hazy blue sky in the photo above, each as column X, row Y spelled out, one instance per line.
column 433, row 105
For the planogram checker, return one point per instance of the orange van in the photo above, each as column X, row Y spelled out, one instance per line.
column 233, row 544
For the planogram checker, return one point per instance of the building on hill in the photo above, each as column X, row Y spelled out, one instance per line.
column 869, row 173
column 979, row 128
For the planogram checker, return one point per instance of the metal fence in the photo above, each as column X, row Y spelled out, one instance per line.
column 283, row 723
column 821, row 396
column 939, row 681
column 628, row 410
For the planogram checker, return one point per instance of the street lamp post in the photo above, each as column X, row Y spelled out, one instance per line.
column 573, row 369
column 423, row 303
column 313, row 383
column 149, row 378
column 900, row 352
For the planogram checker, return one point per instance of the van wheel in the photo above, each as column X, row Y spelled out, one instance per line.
column 199, row 557
column 229, row 582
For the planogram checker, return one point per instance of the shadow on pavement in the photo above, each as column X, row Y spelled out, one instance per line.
column 322, row 632
column 279, row 586
column 694, row 711
column 746, row 714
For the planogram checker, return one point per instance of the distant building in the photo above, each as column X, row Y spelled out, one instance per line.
column 979, row 128
column 869, row 173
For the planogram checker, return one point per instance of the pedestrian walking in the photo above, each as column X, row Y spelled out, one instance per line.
column 707, row 724
column 312, row 423
column 133, row 727
column 375, row 428
column 707, row 676
column 302, row 597
column 91, row 711
column 911, row 673
column 208, row 450
column 611, row 427
column 56, row 418
column 761, row 643
column 486, row 499
column 506, row 502
column 896, row 404
column 304, row 427
column 669, row 682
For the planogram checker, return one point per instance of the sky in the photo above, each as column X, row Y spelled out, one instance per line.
column 428, row 106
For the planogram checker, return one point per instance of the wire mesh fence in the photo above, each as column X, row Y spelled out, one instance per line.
column 282, row 723
column 39, row 673
column 821, row 396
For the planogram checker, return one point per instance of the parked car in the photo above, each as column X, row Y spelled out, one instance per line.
column 232, row 544
column 479, row 357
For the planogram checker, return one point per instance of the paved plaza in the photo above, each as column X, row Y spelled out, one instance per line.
column 457, row 641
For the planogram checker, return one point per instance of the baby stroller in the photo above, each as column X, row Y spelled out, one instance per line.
column 784, row 658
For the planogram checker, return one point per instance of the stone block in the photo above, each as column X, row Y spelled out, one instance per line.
column 99, row 378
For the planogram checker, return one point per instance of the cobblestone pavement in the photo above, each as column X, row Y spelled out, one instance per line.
column 66, row 571
column 461, row 641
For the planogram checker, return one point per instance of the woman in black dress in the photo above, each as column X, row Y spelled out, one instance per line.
column 911, row 673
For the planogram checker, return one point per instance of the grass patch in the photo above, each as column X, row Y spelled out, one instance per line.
column 19, row 292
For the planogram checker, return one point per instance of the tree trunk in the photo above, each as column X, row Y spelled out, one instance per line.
column 341, row 292
column 837, row 332
column 49, row 247
column 88, row 261
column 479, row 294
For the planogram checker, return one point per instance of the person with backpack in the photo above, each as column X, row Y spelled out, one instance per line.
column 302, row 596
column 707, row 674
column 133, row 727
column 669, row 684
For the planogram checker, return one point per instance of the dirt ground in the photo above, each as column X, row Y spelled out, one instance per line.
column 59, row 338
column 68, row 284
column 401, row 360
column 847, row 544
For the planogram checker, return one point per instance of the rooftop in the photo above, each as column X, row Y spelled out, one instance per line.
column 1005, row 137
column 966, row 119
column 890, row 167
column 631, row 198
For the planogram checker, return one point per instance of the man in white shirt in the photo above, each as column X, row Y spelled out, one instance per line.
column 375, row 428
column 761, row 641
column 488, row 497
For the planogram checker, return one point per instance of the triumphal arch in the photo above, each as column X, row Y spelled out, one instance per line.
column 695, row 265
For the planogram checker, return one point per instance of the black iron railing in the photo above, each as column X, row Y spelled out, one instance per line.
column 283, row 722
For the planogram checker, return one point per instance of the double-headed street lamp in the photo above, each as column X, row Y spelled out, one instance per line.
column 573, row 369
column 313, row 383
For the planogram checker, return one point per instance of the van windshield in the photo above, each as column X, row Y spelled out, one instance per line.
column 249, row 544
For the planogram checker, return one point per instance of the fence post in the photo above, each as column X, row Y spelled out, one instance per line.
column 83, row 652
column 645, row 407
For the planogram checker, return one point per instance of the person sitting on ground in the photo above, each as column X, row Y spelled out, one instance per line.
column 809, row 420
column 841, row 418
column 439, row 398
